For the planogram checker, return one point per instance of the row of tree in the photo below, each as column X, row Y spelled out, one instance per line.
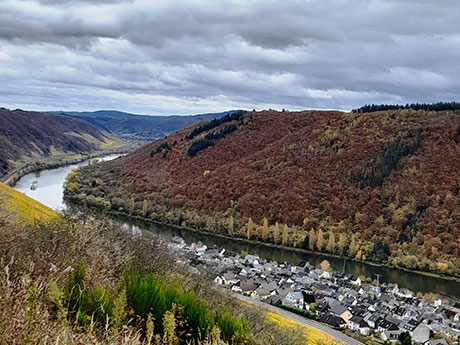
column 440, row 106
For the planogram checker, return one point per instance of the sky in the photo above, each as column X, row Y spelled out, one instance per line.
column 186, row 57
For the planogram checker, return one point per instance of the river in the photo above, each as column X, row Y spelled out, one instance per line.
column 49, row 192
column 50, row 184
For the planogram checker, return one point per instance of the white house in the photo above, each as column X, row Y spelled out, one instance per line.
column 295, row 299
column 218, row 280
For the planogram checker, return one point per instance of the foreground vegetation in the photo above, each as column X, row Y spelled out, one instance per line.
column 380, row 187
column 85, row 281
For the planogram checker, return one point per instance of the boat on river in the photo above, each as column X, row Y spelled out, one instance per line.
column 33, row 185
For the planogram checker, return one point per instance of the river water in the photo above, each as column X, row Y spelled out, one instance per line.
column 50, row 185
column 49, row 192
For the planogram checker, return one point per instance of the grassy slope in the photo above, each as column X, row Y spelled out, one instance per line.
column 28, row 210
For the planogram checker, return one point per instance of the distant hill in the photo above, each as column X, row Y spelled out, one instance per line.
column 26, row 136
column 141, row 128
column 383, row 186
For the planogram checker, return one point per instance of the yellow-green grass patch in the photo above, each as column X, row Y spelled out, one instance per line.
column 28, row 210
column 313, row 335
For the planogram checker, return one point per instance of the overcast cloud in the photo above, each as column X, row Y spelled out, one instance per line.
column 184, row 57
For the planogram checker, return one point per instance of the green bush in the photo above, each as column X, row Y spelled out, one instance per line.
column 75, row 288
column 233, row 331
column 196, row 313
column 85, row 305
column 150, row 295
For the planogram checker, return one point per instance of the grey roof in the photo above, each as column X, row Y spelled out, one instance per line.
column 248, row 285
column 266, row 289
column 338, row 308
column 296, row 295
column 230, row 276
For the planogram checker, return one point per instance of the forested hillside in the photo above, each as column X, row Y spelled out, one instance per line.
column 25, row 136
column 382, row 186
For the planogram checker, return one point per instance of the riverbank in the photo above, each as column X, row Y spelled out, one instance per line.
column 277, row 246
column 57, row 161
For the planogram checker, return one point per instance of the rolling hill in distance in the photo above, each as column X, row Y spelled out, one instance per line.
column 27, row 136
column 379, row 186
column 141, row 128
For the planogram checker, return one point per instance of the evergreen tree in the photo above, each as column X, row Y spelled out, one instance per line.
column 405, row 338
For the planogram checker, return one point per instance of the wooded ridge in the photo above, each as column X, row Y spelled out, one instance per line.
column 380, row 187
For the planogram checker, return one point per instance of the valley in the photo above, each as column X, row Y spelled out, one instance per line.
column 140, row 128
column 268, row 244
column 229, row 172
column 50, row 192
column 366, row 187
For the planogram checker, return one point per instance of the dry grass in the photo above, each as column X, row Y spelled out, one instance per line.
column 28, row 210
column 36, row 261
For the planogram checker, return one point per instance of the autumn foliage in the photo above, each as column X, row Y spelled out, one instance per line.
column 381, row 186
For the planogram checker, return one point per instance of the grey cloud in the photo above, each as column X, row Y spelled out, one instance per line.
column 185, row 57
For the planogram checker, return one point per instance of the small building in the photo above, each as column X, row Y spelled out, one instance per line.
column 266, row 290
column 295, row 299
column 357, row 324
column 436, row 342
column 333, row 320
column 391, row 336
column 340, row 310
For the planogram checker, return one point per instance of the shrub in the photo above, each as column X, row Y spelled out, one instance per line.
column 232, row 330
column 150, row 295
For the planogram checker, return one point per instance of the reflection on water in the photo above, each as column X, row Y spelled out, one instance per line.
column 50, row 182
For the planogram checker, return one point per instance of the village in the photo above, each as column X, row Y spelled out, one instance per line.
column 381, row 311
